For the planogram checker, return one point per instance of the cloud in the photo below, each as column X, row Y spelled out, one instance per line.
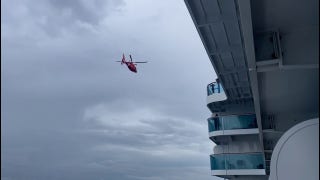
column 38, row 20
column 71, row 112
column 90, row 12
column 145, row 139
column 148, row 127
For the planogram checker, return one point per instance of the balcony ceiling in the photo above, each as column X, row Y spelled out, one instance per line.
column 217, row 22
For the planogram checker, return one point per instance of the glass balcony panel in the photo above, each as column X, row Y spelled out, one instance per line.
column 237, row 161
column 210, row 89
column 220, row 88
column 239, row 122
column 232, row 122
column 217, row 162
column 245, row 161
column 215, row 124
column 213, row 88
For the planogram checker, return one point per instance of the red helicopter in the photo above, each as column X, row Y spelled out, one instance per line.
column 131, row 65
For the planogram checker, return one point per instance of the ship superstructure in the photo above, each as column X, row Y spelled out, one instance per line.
column 266, row 96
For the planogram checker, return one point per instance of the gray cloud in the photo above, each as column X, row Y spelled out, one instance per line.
column 70, row 112
column 87, row 11
column 55, row 18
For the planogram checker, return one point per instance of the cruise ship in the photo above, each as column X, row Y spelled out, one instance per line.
column 264, row 121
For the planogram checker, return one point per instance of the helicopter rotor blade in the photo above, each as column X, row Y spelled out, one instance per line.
column 141, row 62
column 130, row 57
column 120, row 62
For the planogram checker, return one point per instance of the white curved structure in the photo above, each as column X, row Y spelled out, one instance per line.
column 296, row 155
column 216, row 97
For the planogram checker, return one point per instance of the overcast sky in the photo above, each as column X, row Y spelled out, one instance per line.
column 69, row 111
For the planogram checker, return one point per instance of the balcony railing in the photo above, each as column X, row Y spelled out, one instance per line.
column 232, row 122
column 213, row 88
column 237, row 161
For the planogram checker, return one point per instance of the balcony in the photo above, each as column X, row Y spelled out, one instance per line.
column 237, row 164
column 215, row 93
column 232, row 125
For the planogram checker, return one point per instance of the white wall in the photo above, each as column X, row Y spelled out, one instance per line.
column 246, row 145
column 296, row 155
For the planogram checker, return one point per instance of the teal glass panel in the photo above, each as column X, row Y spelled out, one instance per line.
column 213, row 88
column 217, row 162
column 210, row 89
column 240, row 122
column 218, row 88
column 215, row 124
column 232, row 122
column 245, row 161
column 237, row 161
